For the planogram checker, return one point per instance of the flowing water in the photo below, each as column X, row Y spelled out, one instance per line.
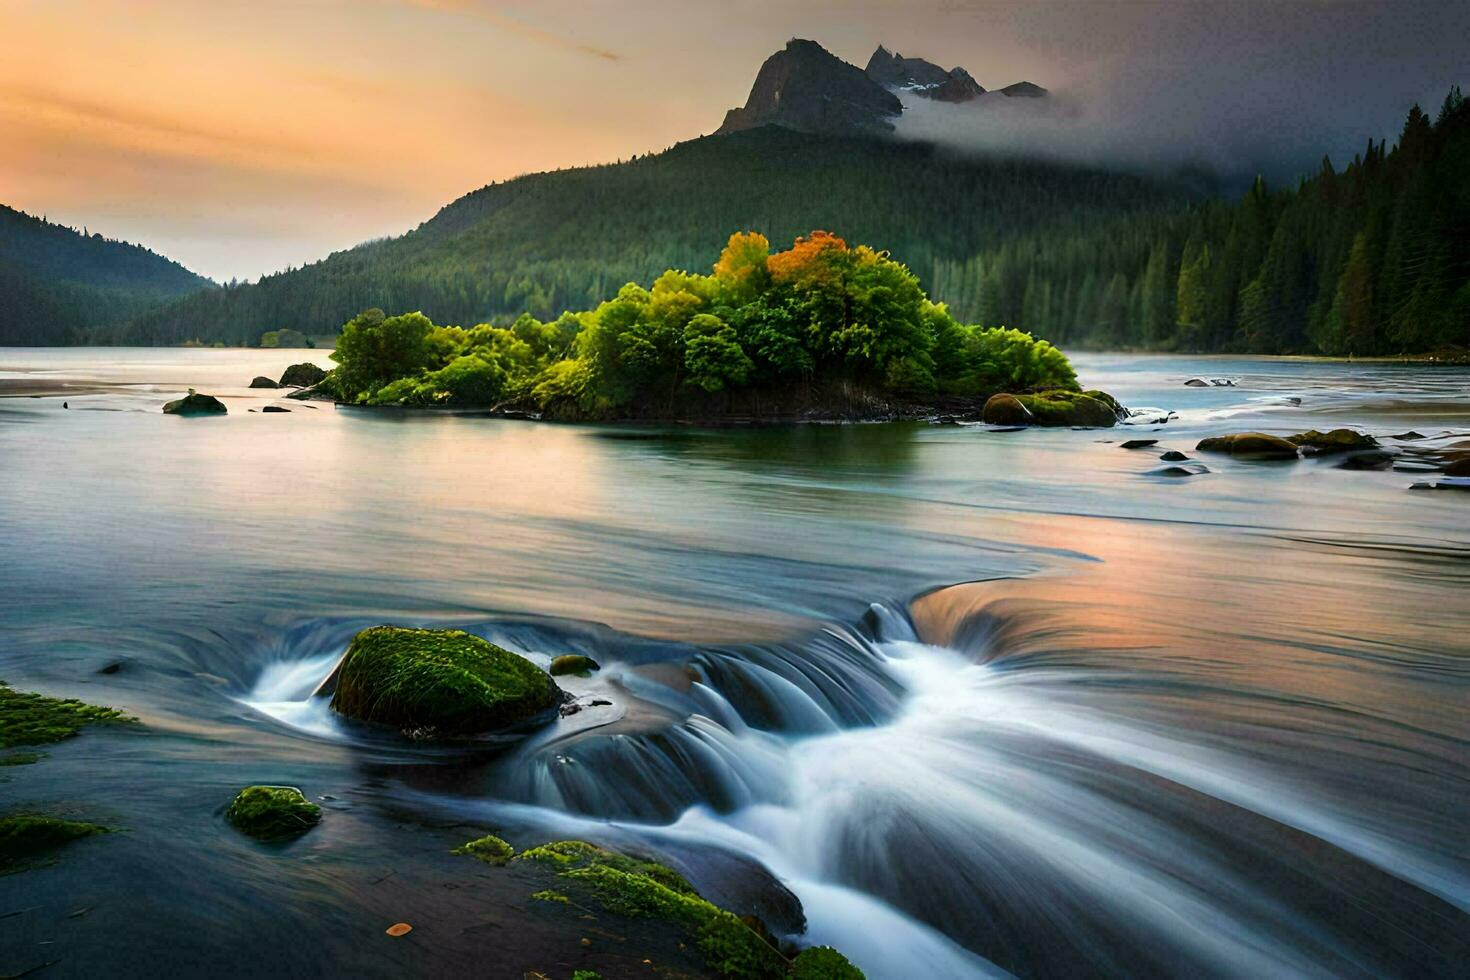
column 986, row 702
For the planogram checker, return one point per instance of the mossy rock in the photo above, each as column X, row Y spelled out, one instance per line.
column 260, row 381
column 1335, row 441
column 440, row 683
column 1058, row 407
column 639, row 888
column 1005, row 409
column 195, row 404
column 25, row 835
column 490, row 849
column 823, row 963
column 273, row 812
column 573, row 663
column 1257, row 445
column 27, row 718
column 302, row 375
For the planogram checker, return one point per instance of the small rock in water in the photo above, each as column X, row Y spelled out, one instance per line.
column 1411, row 434
column 1174, row 456
column 195, row 404
column 274, row 408
column 1257, row 445
column 262, row 382
column 1139, row 443
column 1177, row 470
column 1196, row 383
column 1373, row 460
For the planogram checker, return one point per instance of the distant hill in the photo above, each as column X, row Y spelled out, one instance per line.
column 549, row 242
column 60, row 286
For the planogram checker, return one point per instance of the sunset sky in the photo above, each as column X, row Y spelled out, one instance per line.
column 241, row 137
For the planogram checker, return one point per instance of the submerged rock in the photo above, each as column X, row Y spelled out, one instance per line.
column 573, row 663
column 1408, row 436
column 1092, row 409
column 440, row 683
column 270, row 409
column 272, row 812
column 1196, row 383
column 1336, row 441
column 195, row 404
column 260, row 381
column 1181, row 469
column 1257, row 445
column 1173, row 456
column 1375, row 459
column 302, row 375
column 1139, row 443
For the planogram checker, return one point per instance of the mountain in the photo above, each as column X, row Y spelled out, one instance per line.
column 61, row 286
column 1024, row 90
column 922, row 77
column 807, row 88
column 568, row 239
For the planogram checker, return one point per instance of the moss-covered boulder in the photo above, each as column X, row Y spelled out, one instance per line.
column 638, row 888
column 27, row 718
column 1058, row 407
column 1255, row 445
column 260, row 381
column 302, row 375
column 25, row 835
column 272, row 812
column 573, row 663
column 440, row 683
column 823, row 963
column 490, row 849
column 195, row 404
column 1004, row 409
column 1335, row 441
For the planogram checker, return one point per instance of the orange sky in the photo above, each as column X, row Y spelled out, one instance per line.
column 241, row 137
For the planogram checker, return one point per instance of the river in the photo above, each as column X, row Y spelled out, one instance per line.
column 987, row 702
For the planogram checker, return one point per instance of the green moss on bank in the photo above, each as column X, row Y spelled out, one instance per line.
column 272, row 813
column 27, row 718
column 26, row 835
column 823, row 963
column 439, row 683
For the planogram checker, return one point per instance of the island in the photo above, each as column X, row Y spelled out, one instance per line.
column 821, row 331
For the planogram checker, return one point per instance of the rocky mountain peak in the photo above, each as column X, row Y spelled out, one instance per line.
column 805, row 87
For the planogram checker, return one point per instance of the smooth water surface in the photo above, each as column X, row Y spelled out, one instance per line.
column 986, row 701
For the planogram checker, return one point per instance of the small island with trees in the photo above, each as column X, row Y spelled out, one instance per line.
column 823, row 330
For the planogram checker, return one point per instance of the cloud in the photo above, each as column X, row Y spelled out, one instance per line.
column 1236, row 88
column 512, row 25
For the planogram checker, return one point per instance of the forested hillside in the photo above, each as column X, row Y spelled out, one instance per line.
column 1374, row 259
column 570, row 239
column 60, row 286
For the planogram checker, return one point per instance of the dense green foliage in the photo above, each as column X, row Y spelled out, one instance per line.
column 438, row 682
column 550, row 242
column 820, row 314
column 60, row 286
column 27, row 718
column 1372, row 260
